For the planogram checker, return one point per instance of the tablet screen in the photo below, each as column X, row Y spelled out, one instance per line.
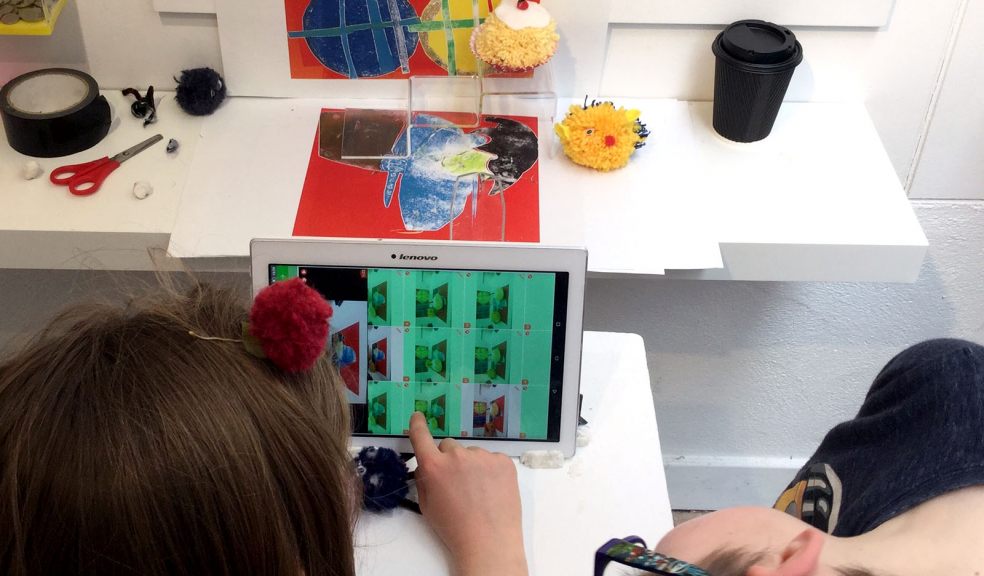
column 479, row 352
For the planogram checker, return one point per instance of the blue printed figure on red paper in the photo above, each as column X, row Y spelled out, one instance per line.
column 444, row 177
column 360, row 38
column 448, row 166
column 439, row 176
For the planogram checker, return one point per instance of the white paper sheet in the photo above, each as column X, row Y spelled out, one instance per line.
column 247, row 176
column 648, row 216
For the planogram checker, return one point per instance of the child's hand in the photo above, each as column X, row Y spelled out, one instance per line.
column 470, row 497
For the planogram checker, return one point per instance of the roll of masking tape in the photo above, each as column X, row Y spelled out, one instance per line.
column 53, row 112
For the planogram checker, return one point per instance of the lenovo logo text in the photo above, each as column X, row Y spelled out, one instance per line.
column 411, row 257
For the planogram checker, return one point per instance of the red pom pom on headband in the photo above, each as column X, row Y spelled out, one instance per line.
column 290, row 321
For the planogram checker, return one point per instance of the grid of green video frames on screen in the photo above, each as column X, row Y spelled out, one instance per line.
column 470, row 350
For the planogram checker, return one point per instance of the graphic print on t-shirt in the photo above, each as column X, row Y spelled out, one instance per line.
column 815, row 498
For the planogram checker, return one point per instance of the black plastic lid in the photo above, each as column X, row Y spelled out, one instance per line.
column 757, row 42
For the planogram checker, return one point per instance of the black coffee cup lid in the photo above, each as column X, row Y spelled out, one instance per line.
column 758, row 42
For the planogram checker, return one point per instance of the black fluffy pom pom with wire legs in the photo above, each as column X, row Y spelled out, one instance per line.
column 384, row 478
column 200, row 91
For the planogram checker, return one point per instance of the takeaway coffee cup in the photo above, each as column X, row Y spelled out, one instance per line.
column 755, row 61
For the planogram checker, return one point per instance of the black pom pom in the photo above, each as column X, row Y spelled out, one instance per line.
column 384, row 477
column 200, row 91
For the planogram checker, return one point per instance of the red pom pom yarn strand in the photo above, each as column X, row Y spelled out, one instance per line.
column 290, row 320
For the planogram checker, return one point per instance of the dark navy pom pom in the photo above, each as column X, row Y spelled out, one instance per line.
column 200, row 91
column 384, row 477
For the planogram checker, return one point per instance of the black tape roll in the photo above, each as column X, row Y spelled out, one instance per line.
column 54, row 112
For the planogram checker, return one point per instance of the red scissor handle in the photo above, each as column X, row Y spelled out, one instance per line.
column 84, row 179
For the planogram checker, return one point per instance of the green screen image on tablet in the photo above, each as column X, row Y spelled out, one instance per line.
column 478, row 352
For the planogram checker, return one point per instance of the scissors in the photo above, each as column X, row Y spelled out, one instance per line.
column 85, row 179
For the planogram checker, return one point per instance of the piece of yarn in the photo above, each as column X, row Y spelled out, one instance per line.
column 290, row 320
column 200, row 91
column 384, row 478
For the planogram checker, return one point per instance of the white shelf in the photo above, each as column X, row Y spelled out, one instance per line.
column 43, row 226
column 817, row 200
column 225, row 206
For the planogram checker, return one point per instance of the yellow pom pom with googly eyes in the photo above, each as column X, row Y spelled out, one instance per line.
column 601, row 136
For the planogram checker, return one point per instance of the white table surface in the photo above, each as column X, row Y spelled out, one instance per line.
column 612, row 488
column 45, row 226
column 817, row 200
column 241, row 188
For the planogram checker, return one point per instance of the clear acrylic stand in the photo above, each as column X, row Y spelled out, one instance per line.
column 522, row 96
column 364, row 135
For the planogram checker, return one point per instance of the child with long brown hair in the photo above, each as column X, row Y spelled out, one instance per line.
column 145, row 439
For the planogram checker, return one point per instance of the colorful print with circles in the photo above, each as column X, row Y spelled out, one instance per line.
column 385, row 39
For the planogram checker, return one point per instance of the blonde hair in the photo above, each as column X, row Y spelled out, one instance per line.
column 736, row 562
column 129, row 446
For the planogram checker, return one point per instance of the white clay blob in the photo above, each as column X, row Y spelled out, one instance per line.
column 31, row 170
column 583, row 437
column 542, row 459
column 142, row 190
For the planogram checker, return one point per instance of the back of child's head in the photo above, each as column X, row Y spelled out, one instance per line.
column 129, row 444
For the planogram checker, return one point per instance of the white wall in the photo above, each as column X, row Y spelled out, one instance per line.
column 122, row 43
column 746, row 377
column 952, row 165
column 136, row 46
column 19, row 54
column 749, row 376
column 893, row 69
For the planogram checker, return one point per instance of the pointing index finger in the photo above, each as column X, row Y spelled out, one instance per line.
column 420, row 437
